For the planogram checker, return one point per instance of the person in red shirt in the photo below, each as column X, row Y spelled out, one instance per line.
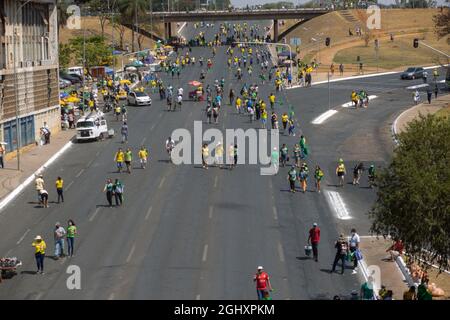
column 396, row 249
column 314, row 239
column 262, row 282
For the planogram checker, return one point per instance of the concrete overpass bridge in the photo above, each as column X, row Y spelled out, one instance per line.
column 263, row 14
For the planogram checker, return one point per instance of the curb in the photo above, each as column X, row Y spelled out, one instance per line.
column 24, row 184
column 406, row 274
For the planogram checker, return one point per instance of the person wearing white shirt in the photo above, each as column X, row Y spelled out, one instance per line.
column 354, row 245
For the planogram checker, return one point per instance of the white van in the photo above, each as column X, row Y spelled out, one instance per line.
column 92, row 126
column 75, row 70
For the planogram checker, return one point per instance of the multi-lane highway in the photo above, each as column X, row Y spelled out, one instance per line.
column 189, row 233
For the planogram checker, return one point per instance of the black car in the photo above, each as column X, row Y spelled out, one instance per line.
column 73, row 79
column 412, row 73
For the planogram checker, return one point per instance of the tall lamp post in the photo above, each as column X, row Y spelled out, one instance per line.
column 18, row 133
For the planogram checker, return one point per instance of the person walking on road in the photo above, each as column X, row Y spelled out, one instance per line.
column 143, row 155
column 341, row 253
column 59, row 235
column 262, row 280
column 59, row 188
column 124, row 132
column 318, row 176
column 71, row 232
column 357, row 173
column 39, row 254
column 314, row 239
column 108, row 189
column 429, row 94
column 39, row 184
column 118, row 192
column 303, row 176
column 275, row 159
column 119, row 158
column 44, row 198
column 219, row 154
column 340, row 172
column 128, row 159
column 341, row 69
column 354, row 246
column 205, row 155
column 292, row 177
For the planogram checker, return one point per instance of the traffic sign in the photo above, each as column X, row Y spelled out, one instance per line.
column 296, row 41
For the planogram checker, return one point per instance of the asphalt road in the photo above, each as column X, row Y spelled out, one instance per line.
column 189, row 233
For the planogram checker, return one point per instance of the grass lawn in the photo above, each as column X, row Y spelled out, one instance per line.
column 393, row 54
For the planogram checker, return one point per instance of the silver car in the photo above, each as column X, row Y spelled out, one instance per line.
column 139, row 99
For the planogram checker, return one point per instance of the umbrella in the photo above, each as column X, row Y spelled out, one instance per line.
column 63, row 95
column 287, row 54
column 125, row 82
column 130, row 68
column 288, row 62
column 73, row 99
column 195, row 83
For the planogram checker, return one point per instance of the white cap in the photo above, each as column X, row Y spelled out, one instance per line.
column 315, row 224
column 260, row 268
column 38, row 238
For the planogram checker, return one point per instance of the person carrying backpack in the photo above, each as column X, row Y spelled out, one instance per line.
column 341, row 246
column 303, row 176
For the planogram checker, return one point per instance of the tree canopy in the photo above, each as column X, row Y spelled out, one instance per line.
column 414, row 191
column 97, row 52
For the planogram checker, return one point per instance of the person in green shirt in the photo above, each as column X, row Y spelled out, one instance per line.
column 318, row 175
column 366, row 292
column 71, row 232
column 266, row 296
column 128, row 159
column 275, row 159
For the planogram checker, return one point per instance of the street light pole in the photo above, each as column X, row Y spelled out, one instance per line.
column 18, row 133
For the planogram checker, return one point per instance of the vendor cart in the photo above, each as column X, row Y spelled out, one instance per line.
column 197, row 94
column 8, row 267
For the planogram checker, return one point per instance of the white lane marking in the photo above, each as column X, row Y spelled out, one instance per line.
column 22, row 186
column 94, row 214
column 275, row 214
column 324, row 116
column 23, row 237
column 131, row 253
column 111, row 296
column 280, row 252
column 423, row 85
column 160, row 115
column 181, row 28
column 153, row 126
column 90, row 162
column 148, row 213
column 215, row 181
column 350, row 104
column 205, row 253
column 39, row 296
column 97, row 154
column 337, row 204
column 162, row 182
column 70, row 184
column 211, row 208
column 79, row 173
column 8, row 253
column 143, row 141
column 197, row 297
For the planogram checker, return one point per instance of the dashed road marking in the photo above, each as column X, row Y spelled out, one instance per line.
column 211, row 208
column 197, row 297
column 162, row 182
column 97, row 154
column 153, row 126
column 131, row 253
column 23, row 237
column 275, row 214
column 143, row 141
column 148, row 213
column 90, row 162
column 280, row 252
column 205, row 253
column 39, row 296
column 70, row 184
column 111, row 296
column 215, row 181
column 324, row 116
column 94, row 214
column 79, row 173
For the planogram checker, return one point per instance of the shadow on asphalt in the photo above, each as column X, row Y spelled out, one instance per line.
column 27, row 272
column 164, row 161
column 326, row 270
column 303, row 258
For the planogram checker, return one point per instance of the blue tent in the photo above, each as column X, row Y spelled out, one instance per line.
column 109, row 71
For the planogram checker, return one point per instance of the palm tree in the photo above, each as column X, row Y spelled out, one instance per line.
column 130, row 10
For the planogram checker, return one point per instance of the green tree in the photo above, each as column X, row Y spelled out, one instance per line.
column 96, row 50
column 130, row 10
column 65, row 55
column 413, row 192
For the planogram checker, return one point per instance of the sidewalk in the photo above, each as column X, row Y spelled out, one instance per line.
column 374, row 253
column 31, row 158
column 401, row 123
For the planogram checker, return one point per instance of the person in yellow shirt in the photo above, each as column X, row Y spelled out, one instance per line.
column 272, row 100
column 340, row 172
column 284, row 120
column 263, row 118
column 263, row 106
column 219, row 154
column 59, row 188
column 205, row 155
column 39, row 254
column 238, row 104
column 119, row 158
column 143, row 154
